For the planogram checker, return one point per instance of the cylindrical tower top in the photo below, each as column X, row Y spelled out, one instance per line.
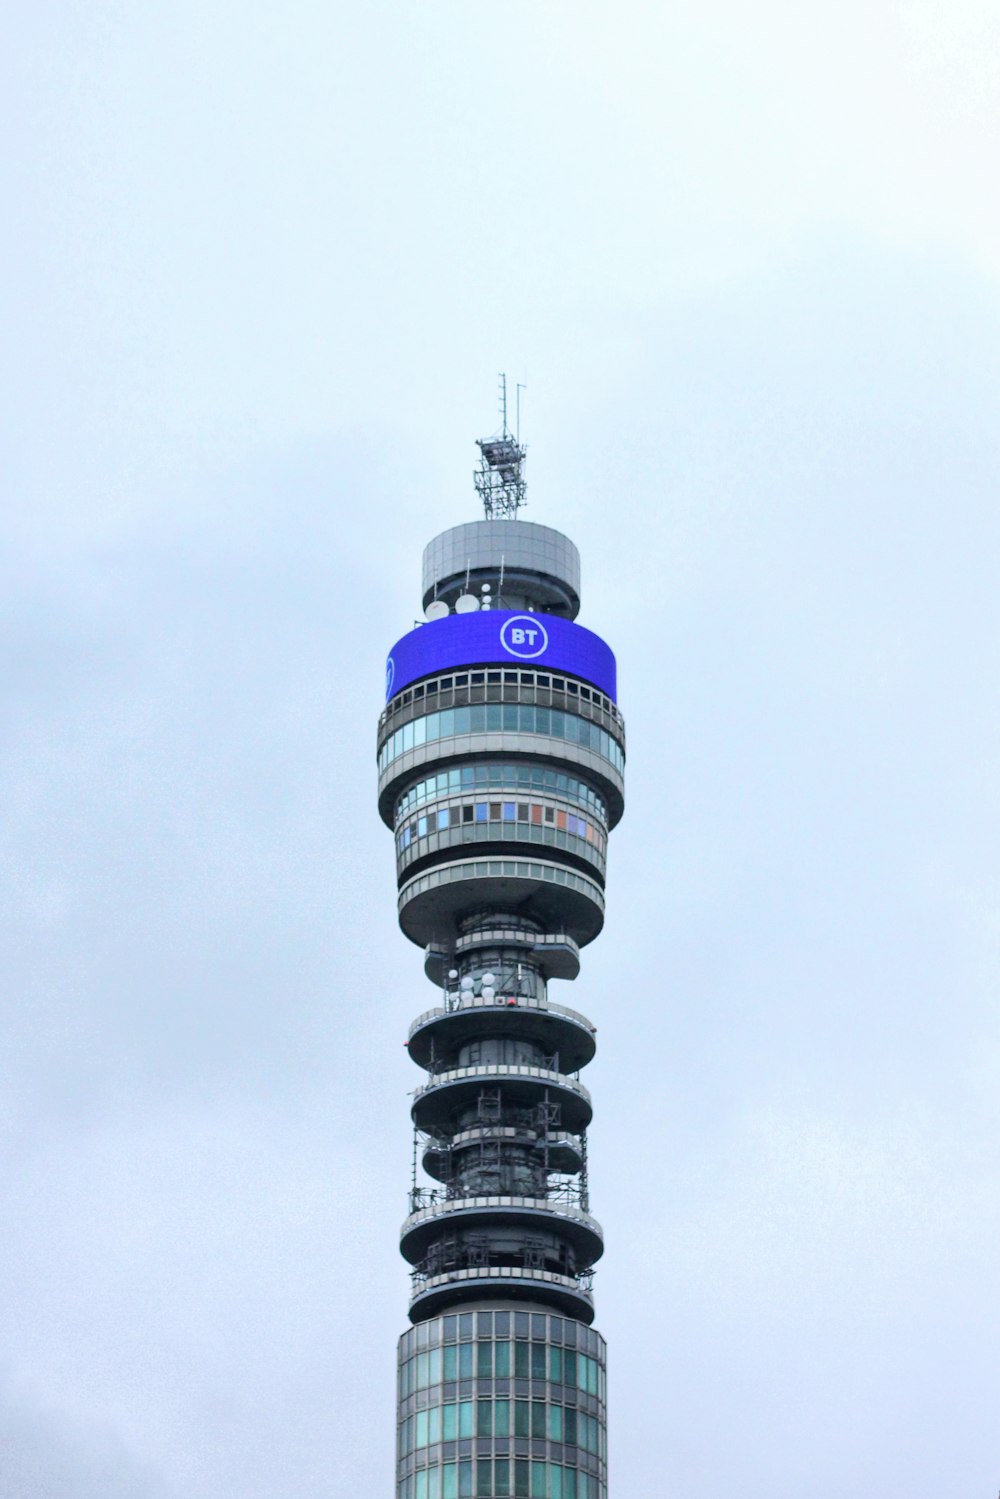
column 523, row 565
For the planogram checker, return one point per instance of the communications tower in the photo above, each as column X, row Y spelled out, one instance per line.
column 501, row 752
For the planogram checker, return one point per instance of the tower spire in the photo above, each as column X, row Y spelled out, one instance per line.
column 499, row 479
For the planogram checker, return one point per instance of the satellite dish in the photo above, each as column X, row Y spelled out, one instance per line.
column 489, row 993
column 486, row 588
column 438, row 609
column 466, row 983
column 489, row 978
column 466, row 603
column 453, row 973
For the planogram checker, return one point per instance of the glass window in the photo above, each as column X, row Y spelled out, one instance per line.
column 538, row 1360
column 555, row 1423
column 509, row 811
column 501, row 1477
column 444, row 817
column 482, row 812
column 569, row 1425
column 434, row 1366
column 501, row 1418
column 465, row 1418
column 421, row 1371
column 451, row 1361
column 434, row 1425
column 421, row 1435
column 420, row 1487
column 449, row 1423
column 465, row 1480
column 569, row 1483
column 521, row 1418
column 449, row 1481
column 555, row 1482
column 484, row 1362
column 522, row 1479
column 521, row 1360
column 537, row 1418
column 538, row 1481
column 465, row 1361
column 484, row 1418
column 502, row 1360
column 556, row 1365
column 484, row 1478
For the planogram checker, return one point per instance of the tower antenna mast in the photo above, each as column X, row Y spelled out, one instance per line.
column 499, row 479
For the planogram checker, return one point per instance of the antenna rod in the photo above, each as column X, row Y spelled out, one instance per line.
column 499, row 478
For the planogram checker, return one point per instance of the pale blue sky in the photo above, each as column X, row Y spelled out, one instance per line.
column 262, row 267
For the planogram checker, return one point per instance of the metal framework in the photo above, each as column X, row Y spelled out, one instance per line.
column 499, row 479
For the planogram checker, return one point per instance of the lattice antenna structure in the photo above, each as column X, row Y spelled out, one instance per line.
column 499, row 479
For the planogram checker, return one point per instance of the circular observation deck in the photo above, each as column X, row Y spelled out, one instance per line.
column 600, row 761
column 562, row 1293
column 466, row 825
column 437, row 1104
column 431, row 904
column 506, row 1216
column 560, row 1032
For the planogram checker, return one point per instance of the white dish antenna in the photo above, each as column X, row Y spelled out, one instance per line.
column 437, row 609
column 466, row 603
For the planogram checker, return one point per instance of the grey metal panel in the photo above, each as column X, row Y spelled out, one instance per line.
column 479, row 546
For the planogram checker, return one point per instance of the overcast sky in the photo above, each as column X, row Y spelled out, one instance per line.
column 262, row 266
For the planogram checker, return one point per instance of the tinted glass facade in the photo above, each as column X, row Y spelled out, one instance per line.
column 502, row 1402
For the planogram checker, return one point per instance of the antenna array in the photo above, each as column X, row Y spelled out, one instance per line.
column 499, row 479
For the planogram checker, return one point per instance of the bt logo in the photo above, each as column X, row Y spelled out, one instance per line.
column 390, row 676
column 524, row 635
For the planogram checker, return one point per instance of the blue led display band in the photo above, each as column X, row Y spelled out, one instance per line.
column 501, row 637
